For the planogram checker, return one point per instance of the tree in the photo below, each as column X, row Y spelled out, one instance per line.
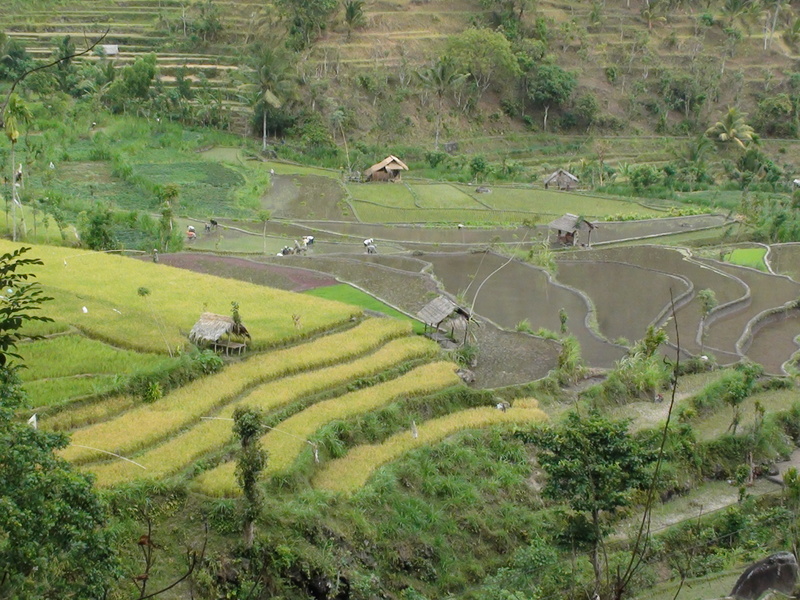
column 96, row 231
column 14, row 58
column 248, row 425
column 487, row 55
column 54, row 541
column 551, row 86
column 16, row 114
column 307, row 18
column 595, row 466
column 272, row 83
column 440, row 79
column 708, row 302
column 263, row 217
column 732, row 128
column 133, row 84
column 354, row 15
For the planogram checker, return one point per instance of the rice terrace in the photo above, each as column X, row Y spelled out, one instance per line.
column 359, row 300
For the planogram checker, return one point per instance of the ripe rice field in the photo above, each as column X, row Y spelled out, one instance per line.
column 147, row 424
column 107, row 287
column 62, row 368
column 286, row 442
column 205, row 436
column 348, row 474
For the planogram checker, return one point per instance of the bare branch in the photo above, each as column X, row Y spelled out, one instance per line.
column 19, row 79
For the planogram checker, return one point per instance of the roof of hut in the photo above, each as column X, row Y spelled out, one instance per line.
column 438, row 309
column 554, row 176
column 570, row 222
column 390, row 163
column 211, row 327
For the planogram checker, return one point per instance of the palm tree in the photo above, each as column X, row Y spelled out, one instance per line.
column 439, row 79
column 732, row 128
column 272, row 81
column 354, row 15
column 17, row 113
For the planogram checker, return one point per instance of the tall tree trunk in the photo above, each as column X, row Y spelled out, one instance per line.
column 546, row 110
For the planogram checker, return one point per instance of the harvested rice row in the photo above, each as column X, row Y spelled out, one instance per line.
column 148, row 424
column 285, row 444
column 351, row 472
column 206, row 436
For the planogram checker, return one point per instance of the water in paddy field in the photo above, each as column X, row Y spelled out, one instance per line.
column 785, row 259
column 517, row 292
column 627, row 298
column 767, row 291
column 775, row 343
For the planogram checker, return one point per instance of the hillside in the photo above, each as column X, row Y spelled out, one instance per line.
column 640, row 69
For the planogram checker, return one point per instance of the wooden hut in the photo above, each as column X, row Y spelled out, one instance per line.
column 387, row 170
column 444, row 314
column 568, row 228
column 220, row 332
column 563, row 179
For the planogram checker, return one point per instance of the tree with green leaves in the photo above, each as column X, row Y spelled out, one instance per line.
column 263, row 217
column 595, row 466
column 96, row 229
column 487, row 55
column 551, row 86
column 354, row 15
column 732, row 128
column 440, row 79
column 307, row 18
column 271, row 86
column 248, row 426
column 708, row 302
column 54, row 541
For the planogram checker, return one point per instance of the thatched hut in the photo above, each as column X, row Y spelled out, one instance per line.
column 563, row 179
column 220, row 332
column 387, row 170
column 568, row 228
column 443, row 314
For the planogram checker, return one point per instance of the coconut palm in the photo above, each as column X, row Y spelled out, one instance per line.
column 272, row 81
column 732, row 128
column 439, row 79
column 16, row 114
column 354, row 15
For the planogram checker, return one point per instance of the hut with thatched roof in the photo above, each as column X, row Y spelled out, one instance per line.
column 442, row 314
column 219, row 332
column 563, row 179
column 568, row 228
column 387, row 170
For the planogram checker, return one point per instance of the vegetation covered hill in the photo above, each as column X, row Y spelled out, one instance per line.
column 366, row 69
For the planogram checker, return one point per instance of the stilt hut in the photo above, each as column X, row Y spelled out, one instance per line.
column 563, row 179
column 219, row 332
column 442, row 314
column 388, row 169
column 568, row 228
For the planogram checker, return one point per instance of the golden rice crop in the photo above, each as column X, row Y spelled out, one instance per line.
column 108, row 285
column 68, row 355
column 207, row 436
column 285, row 444
column 147, row 424
column 351, row 472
